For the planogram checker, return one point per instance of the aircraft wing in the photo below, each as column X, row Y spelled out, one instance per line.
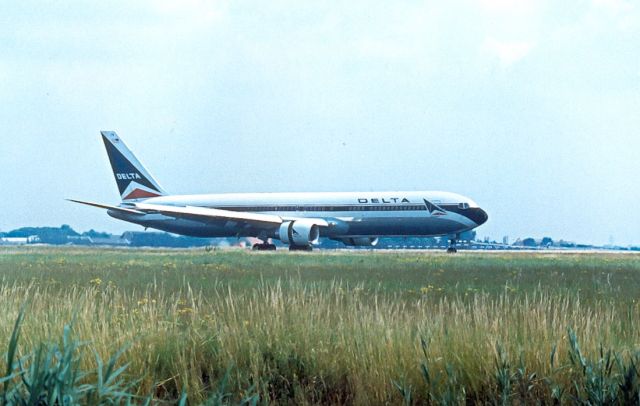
column 205, row 214
column 108, row 207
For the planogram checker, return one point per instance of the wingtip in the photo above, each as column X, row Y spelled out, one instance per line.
column 76, row 201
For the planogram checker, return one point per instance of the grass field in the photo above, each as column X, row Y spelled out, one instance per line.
column 345, row 328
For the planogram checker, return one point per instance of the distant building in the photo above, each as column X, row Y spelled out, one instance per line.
column 19, row 240
column 111, row 240
column 79, row 240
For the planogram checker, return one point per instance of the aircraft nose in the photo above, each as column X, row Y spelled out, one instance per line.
column 478, row 216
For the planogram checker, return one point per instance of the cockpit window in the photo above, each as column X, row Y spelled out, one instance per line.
column 463, row 206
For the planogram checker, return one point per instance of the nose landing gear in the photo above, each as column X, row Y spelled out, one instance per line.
column 452, row 245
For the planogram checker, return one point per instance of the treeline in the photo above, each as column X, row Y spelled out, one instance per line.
column 65, row 235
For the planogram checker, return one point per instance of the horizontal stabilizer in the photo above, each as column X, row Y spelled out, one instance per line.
column 108, row 207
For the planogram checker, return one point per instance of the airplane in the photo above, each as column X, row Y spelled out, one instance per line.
column 356, row 219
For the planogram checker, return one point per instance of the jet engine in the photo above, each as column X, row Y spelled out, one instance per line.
column 299, row 233
column 360, row 241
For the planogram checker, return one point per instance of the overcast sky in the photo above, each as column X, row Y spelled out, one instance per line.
column 531, row 108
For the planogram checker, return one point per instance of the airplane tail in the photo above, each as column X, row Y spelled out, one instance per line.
column 134, row 182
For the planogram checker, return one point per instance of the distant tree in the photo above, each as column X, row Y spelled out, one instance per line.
column 96, row 234
column 529, row 242
column 546, row 242
column 566, row 244
column 46, row 235
column 66, row 228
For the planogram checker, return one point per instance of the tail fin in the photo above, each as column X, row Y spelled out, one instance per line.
column 134, row 182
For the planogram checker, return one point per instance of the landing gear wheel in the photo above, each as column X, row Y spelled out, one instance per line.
column 452, row 250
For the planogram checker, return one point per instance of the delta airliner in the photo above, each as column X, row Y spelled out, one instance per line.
column 296, row 219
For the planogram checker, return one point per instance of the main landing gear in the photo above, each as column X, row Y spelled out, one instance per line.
column 265, row 246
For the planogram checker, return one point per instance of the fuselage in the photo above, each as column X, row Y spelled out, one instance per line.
column 348, row 214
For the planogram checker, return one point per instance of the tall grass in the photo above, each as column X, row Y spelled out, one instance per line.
column 51, row 374
column 303, row 343
column 301, row 334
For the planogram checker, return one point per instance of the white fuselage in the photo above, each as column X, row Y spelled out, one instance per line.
column 351, row 214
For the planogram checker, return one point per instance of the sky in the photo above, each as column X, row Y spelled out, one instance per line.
column 531, row 108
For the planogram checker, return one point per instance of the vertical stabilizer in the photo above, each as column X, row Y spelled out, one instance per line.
column 134, row 181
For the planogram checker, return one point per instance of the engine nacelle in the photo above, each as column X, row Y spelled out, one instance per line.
column 299, row 232
column 360, row 241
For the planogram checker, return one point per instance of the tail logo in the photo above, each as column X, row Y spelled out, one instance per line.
column 128, row 176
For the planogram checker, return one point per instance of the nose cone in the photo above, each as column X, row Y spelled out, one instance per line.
column 483, row 217
column 478, row 216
